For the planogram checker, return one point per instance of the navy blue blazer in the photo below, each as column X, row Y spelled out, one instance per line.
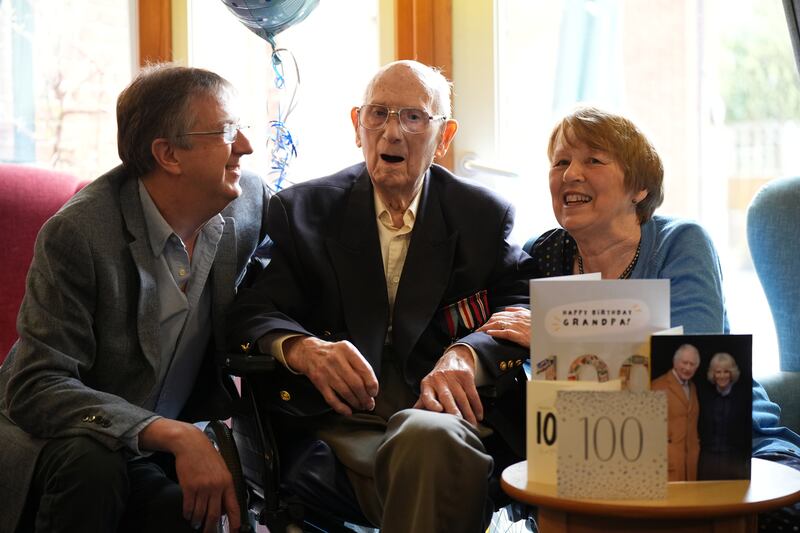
column 326, row 279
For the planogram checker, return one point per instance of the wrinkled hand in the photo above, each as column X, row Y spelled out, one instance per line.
column 450, row 387
column 337, row 370
column 513, row 324
column 204, row 478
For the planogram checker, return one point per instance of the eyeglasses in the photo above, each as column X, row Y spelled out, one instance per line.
column 229, row 132
column 412, row 120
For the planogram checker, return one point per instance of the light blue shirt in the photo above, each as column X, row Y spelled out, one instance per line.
column 184, row 303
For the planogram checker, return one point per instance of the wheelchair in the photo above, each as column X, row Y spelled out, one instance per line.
column 306, row 488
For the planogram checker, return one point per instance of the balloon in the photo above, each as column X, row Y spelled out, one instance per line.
column 267, row 18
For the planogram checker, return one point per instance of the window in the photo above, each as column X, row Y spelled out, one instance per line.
column 337, row 51
column 713, row 84
column 62, row 65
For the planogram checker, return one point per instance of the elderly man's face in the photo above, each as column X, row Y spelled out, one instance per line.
column 397, row 160
column 686, row 363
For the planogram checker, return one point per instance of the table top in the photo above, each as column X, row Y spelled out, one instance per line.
column 771, row 485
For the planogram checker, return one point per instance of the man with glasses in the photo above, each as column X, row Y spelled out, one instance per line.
column 122, row 316
column 379, row 276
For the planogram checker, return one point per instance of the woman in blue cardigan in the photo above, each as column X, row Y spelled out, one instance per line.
column 606, row 180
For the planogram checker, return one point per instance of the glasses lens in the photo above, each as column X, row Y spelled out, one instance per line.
column 372, row 116
column 230, row 132
column 414, row 120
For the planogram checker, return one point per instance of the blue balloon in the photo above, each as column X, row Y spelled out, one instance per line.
column 267, row 18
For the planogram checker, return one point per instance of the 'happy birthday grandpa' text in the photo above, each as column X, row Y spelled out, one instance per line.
column 597, row 317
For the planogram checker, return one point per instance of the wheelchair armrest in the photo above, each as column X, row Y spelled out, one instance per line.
column 240, row 364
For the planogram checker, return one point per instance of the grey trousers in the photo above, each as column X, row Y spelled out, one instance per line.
column 412, row 470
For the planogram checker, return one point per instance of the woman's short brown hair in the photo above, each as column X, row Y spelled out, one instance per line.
column 158, row 104
column 626, row 143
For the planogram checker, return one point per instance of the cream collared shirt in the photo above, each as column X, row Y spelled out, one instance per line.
column 394, row 246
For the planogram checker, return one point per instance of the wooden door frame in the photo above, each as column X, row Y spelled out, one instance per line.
column 155, row 31
column 424, row 32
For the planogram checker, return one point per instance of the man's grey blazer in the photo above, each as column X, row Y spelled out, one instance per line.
column 87, row 359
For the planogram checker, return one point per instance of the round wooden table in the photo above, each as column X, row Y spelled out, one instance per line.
column 690, row 507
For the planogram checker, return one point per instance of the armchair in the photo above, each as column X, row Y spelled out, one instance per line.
column 772, row 221
column 28, row 197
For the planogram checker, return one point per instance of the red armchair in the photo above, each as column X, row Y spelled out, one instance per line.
column 28, row 197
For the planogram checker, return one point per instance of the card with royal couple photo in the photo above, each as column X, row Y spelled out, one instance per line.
column 708, row 382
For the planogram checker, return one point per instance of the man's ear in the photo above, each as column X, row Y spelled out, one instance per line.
column 164, row 154
column 354, row 119
column 639, row 196
column 450, row 129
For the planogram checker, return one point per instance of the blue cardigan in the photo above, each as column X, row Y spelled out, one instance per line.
column 681, row 251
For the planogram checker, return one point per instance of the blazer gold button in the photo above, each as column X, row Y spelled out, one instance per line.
column 245, row 347
column 518, row 362
column 285, row 396
column 503, row 365
column 326, row 333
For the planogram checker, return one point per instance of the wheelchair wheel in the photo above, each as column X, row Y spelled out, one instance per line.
column 221, row 437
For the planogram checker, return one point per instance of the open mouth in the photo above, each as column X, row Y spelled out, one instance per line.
column 576, row 199
column 392, row 158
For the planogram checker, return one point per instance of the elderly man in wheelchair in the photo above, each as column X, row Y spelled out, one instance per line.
column 366, row 313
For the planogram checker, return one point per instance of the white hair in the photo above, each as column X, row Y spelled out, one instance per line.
column 685, row 348
column 439, row 88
